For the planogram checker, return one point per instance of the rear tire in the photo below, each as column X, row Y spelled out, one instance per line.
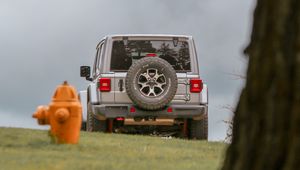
column 199, row 129
column 83, row 126
column 93, row 124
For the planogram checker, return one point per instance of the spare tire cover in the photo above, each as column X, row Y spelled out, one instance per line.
column 151, row 83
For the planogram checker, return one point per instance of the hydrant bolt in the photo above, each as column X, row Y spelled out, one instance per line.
column 61, row 115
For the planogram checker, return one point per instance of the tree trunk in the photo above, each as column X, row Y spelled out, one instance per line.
column 266, row 129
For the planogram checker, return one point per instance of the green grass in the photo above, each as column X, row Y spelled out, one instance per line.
column 31, row 149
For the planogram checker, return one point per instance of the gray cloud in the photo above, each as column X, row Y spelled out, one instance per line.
column 43, row 43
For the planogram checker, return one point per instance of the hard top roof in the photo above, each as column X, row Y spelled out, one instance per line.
column 143, row 35
column 149, row 35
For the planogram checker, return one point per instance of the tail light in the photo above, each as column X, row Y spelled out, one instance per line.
column 104, row 84
column 132, row 110
column 196, row 85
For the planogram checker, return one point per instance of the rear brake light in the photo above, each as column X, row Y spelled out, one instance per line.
column 196, row 85
column 104, row 84
column 151, row 55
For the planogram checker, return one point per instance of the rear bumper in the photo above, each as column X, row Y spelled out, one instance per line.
column 178, row 111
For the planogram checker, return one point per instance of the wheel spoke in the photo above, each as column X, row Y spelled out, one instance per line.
column 160, row 84
column 143, row 86
column 160, row 87
column 145, row 75
column 156, row 73
column 158, row 76
column 151, row 91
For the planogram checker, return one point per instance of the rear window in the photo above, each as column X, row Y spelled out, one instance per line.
column 177, row 54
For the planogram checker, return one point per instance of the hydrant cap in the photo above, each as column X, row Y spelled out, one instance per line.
column 65, row 92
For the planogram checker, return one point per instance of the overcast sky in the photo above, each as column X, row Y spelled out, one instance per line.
column 43, row 43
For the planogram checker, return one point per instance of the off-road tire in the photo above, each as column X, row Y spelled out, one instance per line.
column 199, row 129
column 83, row 126
column 93, row 124
column 133, row 88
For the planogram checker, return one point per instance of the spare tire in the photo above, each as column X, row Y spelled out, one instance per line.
column 151, row 83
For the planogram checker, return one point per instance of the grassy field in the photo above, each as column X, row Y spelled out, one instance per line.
column 31, row 149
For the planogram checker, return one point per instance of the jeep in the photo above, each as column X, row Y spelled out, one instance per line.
column 144, row 83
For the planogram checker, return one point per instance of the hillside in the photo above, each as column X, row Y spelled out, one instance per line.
column 31, row 149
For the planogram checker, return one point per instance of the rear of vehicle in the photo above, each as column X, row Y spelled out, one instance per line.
column 147, row 81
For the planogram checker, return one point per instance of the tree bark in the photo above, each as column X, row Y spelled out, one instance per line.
column 266, row 126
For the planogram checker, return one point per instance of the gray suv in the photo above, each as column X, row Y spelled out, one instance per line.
column 145, row 84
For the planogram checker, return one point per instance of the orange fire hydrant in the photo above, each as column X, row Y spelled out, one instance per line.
column 63, row 114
